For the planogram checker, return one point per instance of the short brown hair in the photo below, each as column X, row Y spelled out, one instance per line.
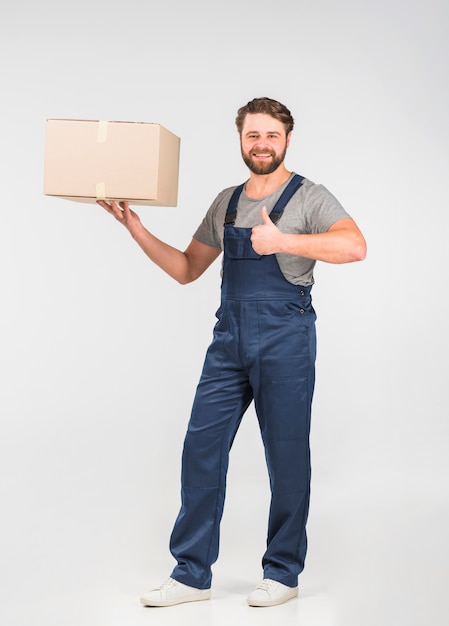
column 270, row 107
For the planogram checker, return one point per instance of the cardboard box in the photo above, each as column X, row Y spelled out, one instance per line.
column 90, row 160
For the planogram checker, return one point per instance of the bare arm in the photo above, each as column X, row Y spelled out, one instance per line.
column 184, row 267
column 342, row 243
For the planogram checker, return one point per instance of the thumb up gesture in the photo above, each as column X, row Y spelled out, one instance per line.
column 266, row 238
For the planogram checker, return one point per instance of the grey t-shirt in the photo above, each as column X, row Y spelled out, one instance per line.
column 313, row 209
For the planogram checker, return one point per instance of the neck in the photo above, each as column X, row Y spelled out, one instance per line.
column 259, row 186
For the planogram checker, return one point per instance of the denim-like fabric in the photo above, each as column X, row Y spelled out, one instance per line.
column 263, row 349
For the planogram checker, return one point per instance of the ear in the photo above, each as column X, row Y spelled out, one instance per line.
column 288, row 138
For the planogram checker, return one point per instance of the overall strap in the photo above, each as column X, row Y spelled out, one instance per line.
column 292, row 187
column 231, row 212
column 285, row 198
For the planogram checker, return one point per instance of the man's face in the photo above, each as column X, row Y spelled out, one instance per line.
column 263, row 143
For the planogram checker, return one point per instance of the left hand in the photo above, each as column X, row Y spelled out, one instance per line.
column 266, row 238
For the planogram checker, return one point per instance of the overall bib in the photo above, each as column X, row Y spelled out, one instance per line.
column 263, row 349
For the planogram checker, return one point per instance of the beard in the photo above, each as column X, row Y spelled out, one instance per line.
column 264, row 167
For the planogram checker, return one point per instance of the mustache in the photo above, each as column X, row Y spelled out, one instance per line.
column 270, row 152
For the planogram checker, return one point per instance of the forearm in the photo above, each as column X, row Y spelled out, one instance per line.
column 342, row 243
column 333, row 246
column 171, row 260
column 182, row 266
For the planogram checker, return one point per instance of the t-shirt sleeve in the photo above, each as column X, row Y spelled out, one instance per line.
column 207, row 232
column 322, row 209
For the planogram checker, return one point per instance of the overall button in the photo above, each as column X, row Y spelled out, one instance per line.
column 301, row 293
column 301, row 311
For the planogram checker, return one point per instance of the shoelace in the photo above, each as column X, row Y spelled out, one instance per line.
column 167, row 584
column 267, row 584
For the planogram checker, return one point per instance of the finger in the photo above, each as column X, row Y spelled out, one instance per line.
column 265, row 216
column 105, row 205
column 116, row 208
column 125, row 207
column 116, row 211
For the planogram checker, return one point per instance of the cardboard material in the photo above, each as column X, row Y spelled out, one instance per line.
column 90, row 160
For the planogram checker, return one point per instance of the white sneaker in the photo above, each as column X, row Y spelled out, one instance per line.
column 172, row 592
column 271, row 593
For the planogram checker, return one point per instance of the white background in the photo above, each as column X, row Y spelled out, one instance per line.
column 100, row 352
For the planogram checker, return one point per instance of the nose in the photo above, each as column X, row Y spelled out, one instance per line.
column 262, row 145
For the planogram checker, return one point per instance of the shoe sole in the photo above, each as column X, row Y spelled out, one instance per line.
column 174, row 602
column 272, row 602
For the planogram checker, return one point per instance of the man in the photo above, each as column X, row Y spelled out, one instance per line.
column 272, row 230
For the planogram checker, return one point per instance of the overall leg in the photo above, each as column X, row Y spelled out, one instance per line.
column 222, row 397
column 283, row 404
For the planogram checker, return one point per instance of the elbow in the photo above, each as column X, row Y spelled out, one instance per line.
column 362, row 249
column 355, row 252
column 350, row 245
column 184, row 280
column 358, row 252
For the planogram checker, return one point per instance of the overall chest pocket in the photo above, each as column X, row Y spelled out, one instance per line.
column 240, row 247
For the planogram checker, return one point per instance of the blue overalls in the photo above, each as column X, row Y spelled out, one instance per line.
column 263, row 349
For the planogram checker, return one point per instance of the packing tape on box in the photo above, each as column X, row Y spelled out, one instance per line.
column 102, row 133
column 100, row 191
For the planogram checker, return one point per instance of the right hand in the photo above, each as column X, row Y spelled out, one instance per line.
column 122, row 214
